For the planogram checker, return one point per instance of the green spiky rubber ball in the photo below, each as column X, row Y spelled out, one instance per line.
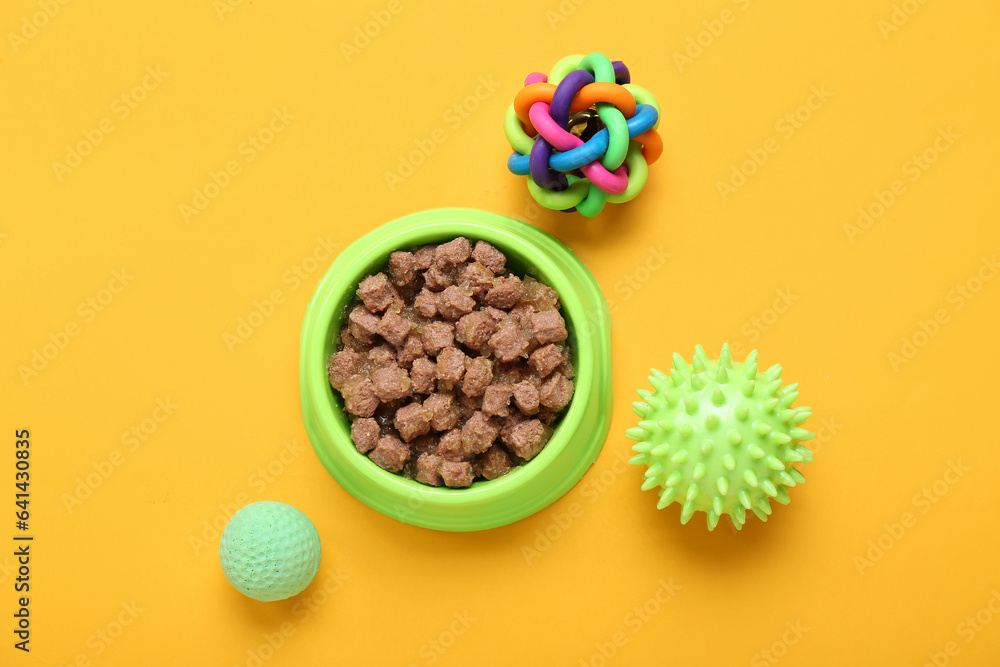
column 269, row 551
column 720, row 437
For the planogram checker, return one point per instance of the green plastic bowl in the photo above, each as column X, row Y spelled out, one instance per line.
column 579, row 434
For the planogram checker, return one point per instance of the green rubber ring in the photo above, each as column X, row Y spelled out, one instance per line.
column 593, row 203
column 643, row 96
column 578, row 436
column 516, row 136
column 638, row 170
column 562, row 200
column 564, row 67
column 618, row 141
column 598, row 64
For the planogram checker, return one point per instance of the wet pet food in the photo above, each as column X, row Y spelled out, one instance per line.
column 451, row 367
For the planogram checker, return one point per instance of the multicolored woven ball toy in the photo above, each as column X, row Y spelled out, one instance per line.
column 584, row 135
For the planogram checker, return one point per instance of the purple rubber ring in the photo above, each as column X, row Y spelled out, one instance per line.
column 538, row 166
column 622, row 75
column 565, row 92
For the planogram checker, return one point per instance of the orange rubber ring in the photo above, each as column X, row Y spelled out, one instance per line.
column 604, row 91
column 534, row 92
column 652, row 145
column 589, row 95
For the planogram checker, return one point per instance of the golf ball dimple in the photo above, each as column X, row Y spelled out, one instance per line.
column 269, row 551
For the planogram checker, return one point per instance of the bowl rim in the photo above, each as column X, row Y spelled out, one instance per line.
column 527, row 488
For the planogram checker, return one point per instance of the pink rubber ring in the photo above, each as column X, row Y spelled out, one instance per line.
column 536, row 77
column 612, row 182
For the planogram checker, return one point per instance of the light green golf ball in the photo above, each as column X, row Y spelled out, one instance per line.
column 269, row 551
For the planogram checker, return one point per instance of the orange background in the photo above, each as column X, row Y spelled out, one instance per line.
column 880, row 558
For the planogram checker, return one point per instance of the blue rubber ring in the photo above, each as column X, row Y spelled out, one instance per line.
column 592, row 150
column 642, row 122
column 518, row 164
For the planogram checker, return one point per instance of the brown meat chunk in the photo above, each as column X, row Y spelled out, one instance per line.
column 390, row 453
column 456, row 474
column 437, row 277
column 383, row 355
column 453, row 252
column 546, row 415
column 495, row 314
column 526, row 397
column 527, row 438
column 422, row 375
column 424, row 257
column 489, row 256
column 508, row 342
column 453, row 303
column 521, row 313
column 494, row 462
column 468, row 405
column 426, row 303
column 359, row 396
column 545, row 359
column 450, row 365
column 349, row 342
column 391, row 382
column 436, row 336
column 412, row 421
column 428, row 469
column 403, row 266
column 478, row 375
column 362, row 324
column 474, row 330
column 425, row 443
column 496, row 400
column 365, row 433
column 479, row 433
column 394, row 327
column 444, row 411
column 450, row 445
column 343, row 365
column 549, row 326
column 555, row 392
column 476, row 278
column 505, row 293
column 412, row 348
column 377, row 293
column 508, row 423
column 567, row 365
